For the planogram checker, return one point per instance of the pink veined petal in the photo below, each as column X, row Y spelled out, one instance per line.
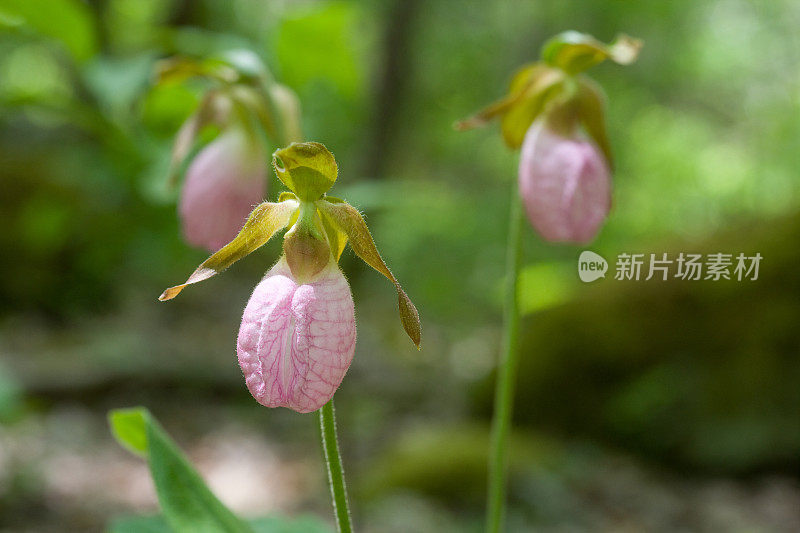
column 223, row 184
column 297, row 341
column 565, row 185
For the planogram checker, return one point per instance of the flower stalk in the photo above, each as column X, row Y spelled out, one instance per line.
column 556, row 115
column 506, row 374
column 330, row 445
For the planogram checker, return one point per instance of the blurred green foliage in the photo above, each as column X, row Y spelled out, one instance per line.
column 700, row 378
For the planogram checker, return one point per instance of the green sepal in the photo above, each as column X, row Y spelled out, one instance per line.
column 265, row 220
column 348, row 220
column 308, row 169
column 186, row 502
column 574, row 52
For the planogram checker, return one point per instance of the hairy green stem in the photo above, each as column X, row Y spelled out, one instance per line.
column 330, row 444
column 506, row 376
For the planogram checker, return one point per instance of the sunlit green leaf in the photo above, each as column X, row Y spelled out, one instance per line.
column 318, row 41
column 129, row 427
column 350, row 221
column 265, row 220
column 67, row 21
column 186, row 502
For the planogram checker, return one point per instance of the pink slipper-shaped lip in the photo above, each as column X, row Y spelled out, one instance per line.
column 565, row 185
column 297, row 341
column 223, row 184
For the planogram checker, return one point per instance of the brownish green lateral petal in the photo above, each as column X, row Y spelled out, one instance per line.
column 265, row 220
column 485, row 115
column 591, row 103
column 543, row 83
column 519, row 83
column 350, row 221
column 337, row 238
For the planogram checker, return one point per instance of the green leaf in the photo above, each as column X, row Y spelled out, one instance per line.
column 129, row 427
column 267, row 524
column 574, row 52
column 186, row 502
column 350, row 221
column 140, row 524
column 265, row 220
column 319, row 41
column 67, row 21
column 308, row 169
column 279, row 524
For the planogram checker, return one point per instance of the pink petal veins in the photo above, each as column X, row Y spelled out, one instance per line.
column 297, row 341
column 565, row 185
column 223, row 184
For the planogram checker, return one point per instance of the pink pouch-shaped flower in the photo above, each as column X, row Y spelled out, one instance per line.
column 565, row 185
column 223, row 183
column 297, row 341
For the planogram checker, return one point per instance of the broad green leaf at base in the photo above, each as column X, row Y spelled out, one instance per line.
column 186, row 502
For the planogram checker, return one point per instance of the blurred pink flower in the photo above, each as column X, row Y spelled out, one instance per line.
column 297, row 341
column 223, row 184
column 565, row 185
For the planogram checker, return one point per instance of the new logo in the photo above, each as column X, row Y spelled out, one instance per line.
column 591, row 266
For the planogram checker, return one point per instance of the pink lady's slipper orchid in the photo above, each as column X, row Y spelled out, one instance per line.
column 564, row 175
column 228, row 176
column 298, row 330
column 565, row 185
column 223, row 184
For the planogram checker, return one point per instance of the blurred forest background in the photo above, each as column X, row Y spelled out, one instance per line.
column 642, row 406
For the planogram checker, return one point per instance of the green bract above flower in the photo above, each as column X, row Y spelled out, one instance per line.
column 574, row 52
column 556, row 89
column 308, row 169
column 319, row 228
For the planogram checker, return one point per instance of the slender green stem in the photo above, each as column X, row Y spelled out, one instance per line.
column 506, row 376
column 330, row 443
